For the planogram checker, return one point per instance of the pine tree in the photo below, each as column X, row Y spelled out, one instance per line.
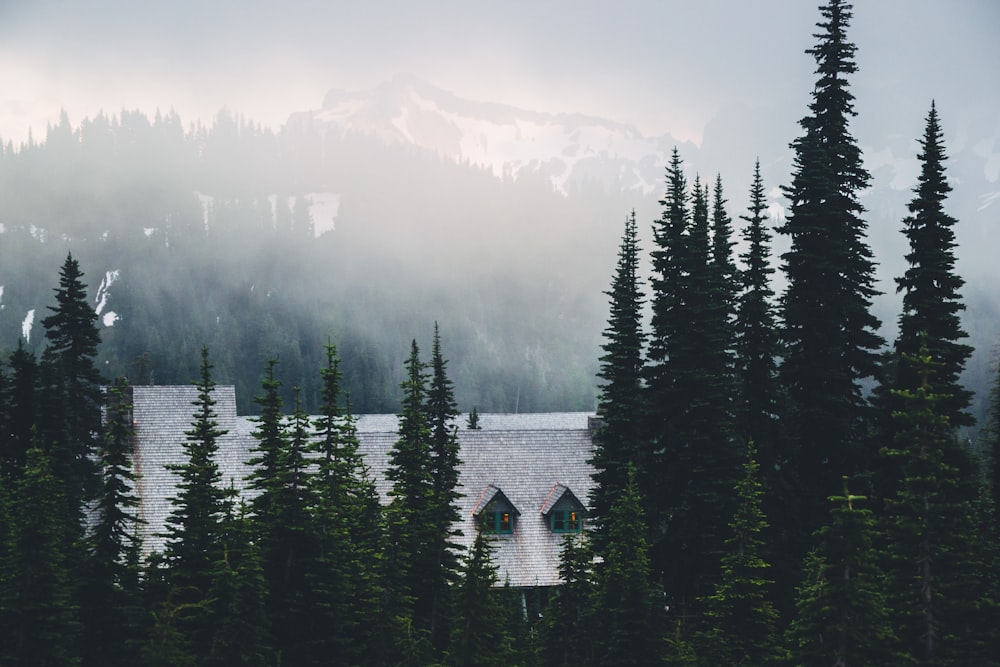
column 43, row 625
column 700, row 458
column 629, row 602
column 620, row 440
column 344, row 582
column 111, row 600
column 410, row 529
column 829, row 331
column 739, row 618
column 760, row 400
column 479, row 636
column 936, row 556
column 842, row 616
column 22, row 411
column 442, row 554
column 72, row 338
column 241, row 634
column 570, row 611
column 930, row 286
column 193, row 545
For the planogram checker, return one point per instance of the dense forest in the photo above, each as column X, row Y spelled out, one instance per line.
column 776, row 483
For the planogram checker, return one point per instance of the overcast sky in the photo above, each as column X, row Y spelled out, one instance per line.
column 663, row 65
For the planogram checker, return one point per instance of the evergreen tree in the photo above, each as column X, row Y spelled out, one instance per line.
column 629, row 602
column 344, row 582
column 479, row 636
column 842, row 616
column 442, row 555
column 111, row 601
column 698, row 462
column 570, row 611
column 739, row 618
column 72, row 338
column 241, row 634
column 620, row 439
column 42, row 625
column 829, row 331
column 930, row 286
column 759, row 395
column 293, row 543
column 193, row 545
column 271, row 443
column 410, row 531
column 936, row 555
column 22, row 411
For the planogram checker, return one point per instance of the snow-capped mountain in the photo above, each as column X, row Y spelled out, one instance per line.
column 571, row 148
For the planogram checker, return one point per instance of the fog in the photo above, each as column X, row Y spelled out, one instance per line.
column 156, row 120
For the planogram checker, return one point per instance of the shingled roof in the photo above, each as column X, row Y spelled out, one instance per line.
column 529, row 458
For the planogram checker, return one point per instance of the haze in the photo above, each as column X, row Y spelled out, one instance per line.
column 665, row 66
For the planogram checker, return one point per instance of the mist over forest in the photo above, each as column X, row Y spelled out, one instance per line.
column 263, row 243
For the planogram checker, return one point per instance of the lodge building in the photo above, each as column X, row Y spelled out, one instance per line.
column 524, row 477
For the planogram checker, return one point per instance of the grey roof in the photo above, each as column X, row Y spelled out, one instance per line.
column 524, row 456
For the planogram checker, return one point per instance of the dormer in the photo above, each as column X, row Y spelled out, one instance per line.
column 563, row 510
column 495, row 513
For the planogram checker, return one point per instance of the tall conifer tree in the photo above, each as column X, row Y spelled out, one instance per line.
column 442, row 556
column 937, row 561
column 930, row 286
column 829, row 331
column 193, row 544
column 620, row 439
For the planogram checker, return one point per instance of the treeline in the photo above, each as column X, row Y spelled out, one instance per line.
column 212, row 233
column 807, row 498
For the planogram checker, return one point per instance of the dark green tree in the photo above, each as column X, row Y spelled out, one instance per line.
column 442, row 560
column 410, row 532
column 939, row 573
column 241, row 633
column 931, row 289
column 842, row 617
column 345, row 577
column 566, row 640
column 42, row 624
column 700, row 459
column 739, row 618
column 72, row 338
column 620, row 440
column 829, row 332
column 111, row 602
column 193, row 545
column 479, row 627
column 22, row 410
column 759, row 398
column 629, row 602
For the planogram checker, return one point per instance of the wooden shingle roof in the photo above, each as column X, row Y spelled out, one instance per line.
column 524, row 456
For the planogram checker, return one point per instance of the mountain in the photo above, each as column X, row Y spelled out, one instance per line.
column 574, row 150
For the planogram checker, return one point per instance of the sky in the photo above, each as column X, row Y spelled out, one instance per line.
column 661, row 65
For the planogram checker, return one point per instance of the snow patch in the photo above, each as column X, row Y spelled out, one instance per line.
column 110, row 318
column 26, row 324
column 148, row 231
column 323, row 210
column 206, row 204
column 102, row 292
column 776, row 211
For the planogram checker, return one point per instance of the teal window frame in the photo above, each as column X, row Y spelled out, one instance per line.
column 568, row 520
column 498, row 521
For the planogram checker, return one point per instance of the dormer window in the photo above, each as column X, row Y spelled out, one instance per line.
column 495, row 512
column 564, row 512
column 566, row 521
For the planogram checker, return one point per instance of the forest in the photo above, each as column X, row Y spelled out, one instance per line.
column 775, row 482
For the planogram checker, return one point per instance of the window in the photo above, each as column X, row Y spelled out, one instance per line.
column 498, row 522
column 566, row 521
column 498, row 517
